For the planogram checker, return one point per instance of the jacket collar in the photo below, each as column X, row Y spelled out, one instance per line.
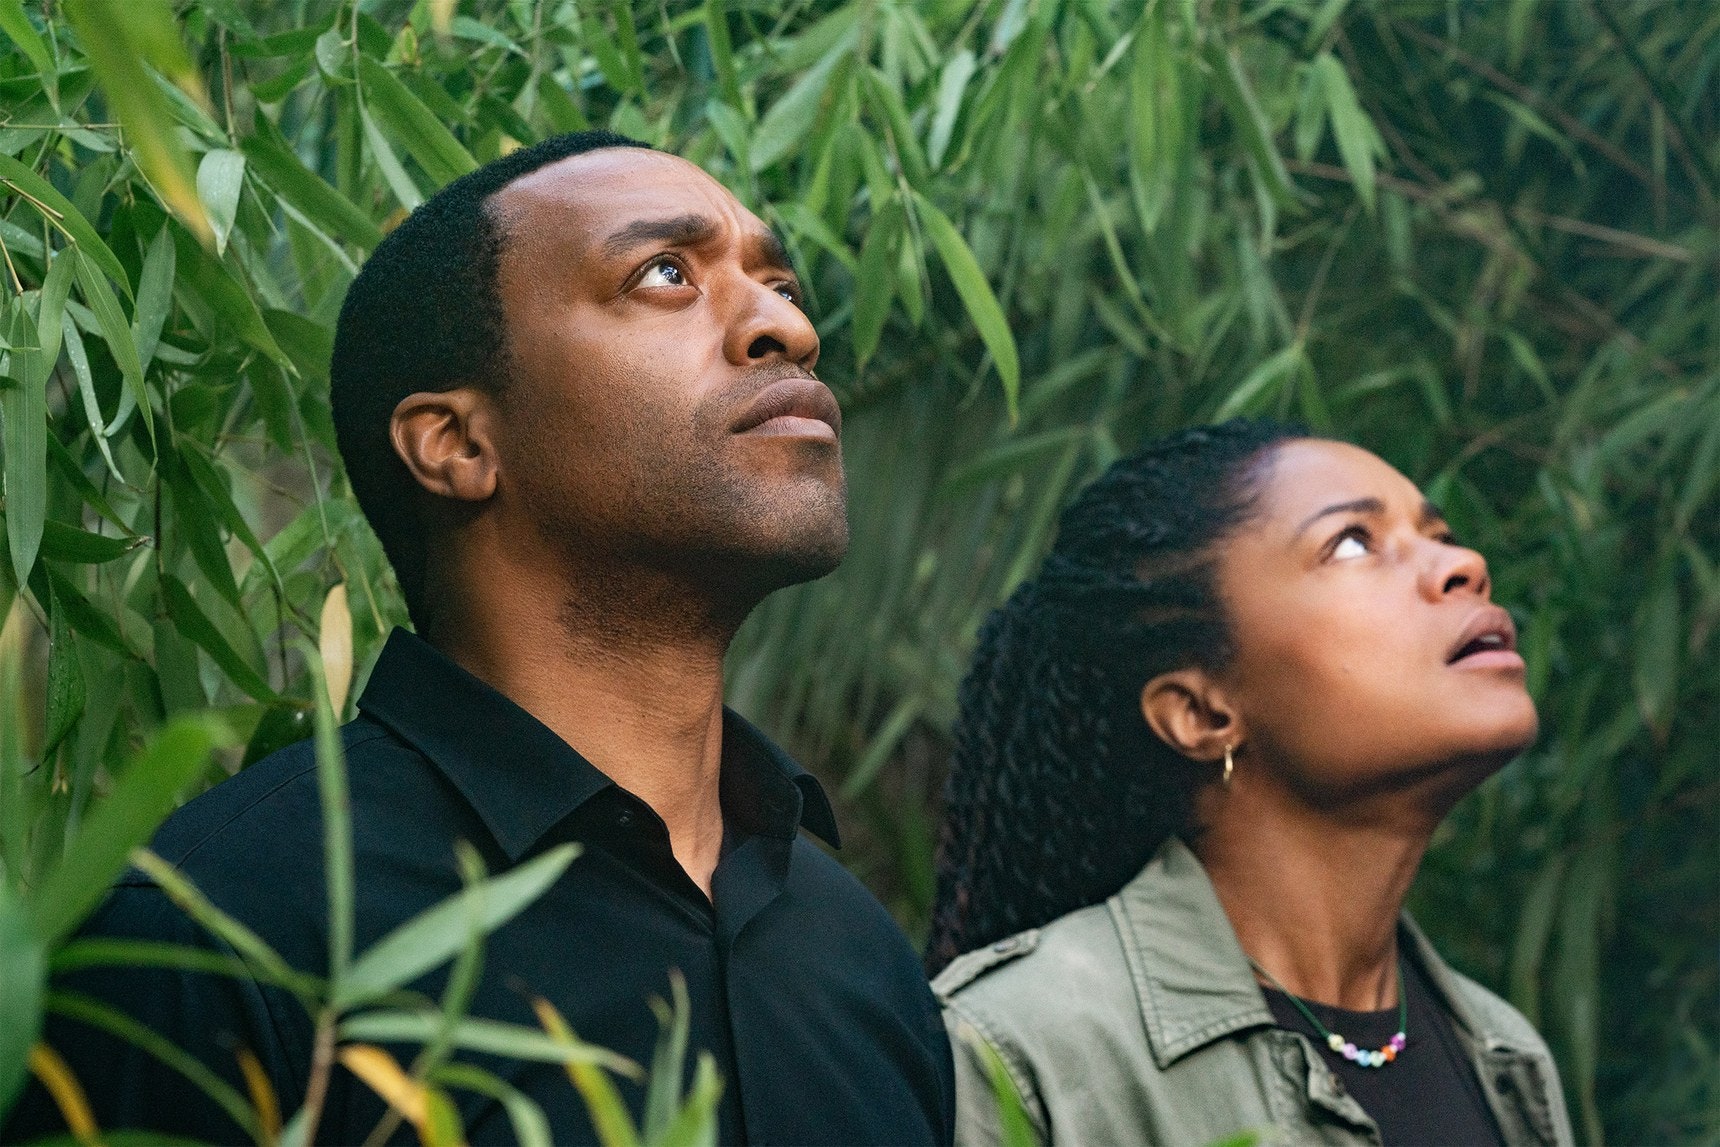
column 522, row 779
column 1191, row 977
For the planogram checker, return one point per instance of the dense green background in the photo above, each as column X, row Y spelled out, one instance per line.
column 1479, row 239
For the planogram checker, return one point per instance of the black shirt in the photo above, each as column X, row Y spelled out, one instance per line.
column 802, row 987
column 1428, row 1096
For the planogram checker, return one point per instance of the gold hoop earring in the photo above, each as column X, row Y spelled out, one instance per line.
column 1229, row 766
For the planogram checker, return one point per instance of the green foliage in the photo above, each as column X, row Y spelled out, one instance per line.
column 1479, row 240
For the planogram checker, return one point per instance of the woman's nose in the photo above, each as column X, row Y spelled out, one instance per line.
column 1451, row 568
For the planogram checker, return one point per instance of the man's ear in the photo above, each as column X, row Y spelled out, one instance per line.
column 445, row 438
column 1191, row 712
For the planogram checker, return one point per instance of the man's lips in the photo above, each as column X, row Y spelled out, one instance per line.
column 799, row 407
column 1488, row 640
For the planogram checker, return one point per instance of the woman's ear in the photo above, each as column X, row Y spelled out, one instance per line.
column 1190, row 712
column 444, row 438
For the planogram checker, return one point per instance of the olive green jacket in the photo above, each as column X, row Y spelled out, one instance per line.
column 1138, row 1021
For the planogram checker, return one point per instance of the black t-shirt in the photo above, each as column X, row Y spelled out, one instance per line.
column 802, row 988
column 1428, row 1096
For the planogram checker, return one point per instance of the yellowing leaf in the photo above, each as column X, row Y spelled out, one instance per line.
column 47, row 1066
column 334, row 643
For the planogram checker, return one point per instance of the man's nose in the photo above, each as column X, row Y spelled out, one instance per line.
column 768, row 326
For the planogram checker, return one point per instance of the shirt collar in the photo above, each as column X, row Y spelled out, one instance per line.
column 522, row 779
column 1189, row 973
column 1191, row 976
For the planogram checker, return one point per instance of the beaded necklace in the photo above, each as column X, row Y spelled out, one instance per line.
column 1358, row 1056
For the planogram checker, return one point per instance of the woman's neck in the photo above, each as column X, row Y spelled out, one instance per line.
column 1314, row 901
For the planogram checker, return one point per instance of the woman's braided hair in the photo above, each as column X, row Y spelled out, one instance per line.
column 1059, row 792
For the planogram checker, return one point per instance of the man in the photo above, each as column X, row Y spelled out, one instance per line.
column 575, row 396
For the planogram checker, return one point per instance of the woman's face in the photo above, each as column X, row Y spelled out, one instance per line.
column 1367, row 649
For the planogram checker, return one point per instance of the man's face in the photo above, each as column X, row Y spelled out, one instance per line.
column 660, row 407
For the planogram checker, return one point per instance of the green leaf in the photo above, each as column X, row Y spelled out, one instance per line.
column 63, row 543
column 276, row 165
column 334, row 797
column 16, row 24
column 230, row 302
column 875, row 281
column 790, row 118
column 60, row 213
column 952, row 85
column 154, row 296
column 120, row 40
column 407, row 119
column 976, row 295
column 489, row 1036
column 1262, row 384
column 220, row 179
column 24, row 434
column 1358, row 142
column 190, row 620
column 1249, row 121
column 141, row 796
column 1658, row 635
column 531, row 1127
column 116, row 332
column 433, row 936
column 23, row 956
column 98, row 1014
column 66, row 690
column 260, row 960
column 1014, row 1127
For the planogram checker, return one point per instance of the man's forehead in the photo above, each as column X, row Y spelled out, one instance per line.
column 588, row 198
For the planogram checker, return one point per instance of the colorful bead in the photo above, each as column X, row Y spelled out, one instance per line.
column 1335, row 1042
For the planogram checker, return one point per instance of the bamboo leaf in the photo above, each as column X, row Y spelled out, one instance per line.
column 139, row 799
column 115, row 331
column 66, row 690
column 1358, row 142
column 22, row 955
column 122, row 43
column 16, row 24
column 62, row 216
column 790, row 118
column 220, row 179
column 24, row 433
column 334, row 644
column 976, row 295
column 488, row 1036
column 433, row 936
column 190, row 620
column 272, row 162
column 414, row 125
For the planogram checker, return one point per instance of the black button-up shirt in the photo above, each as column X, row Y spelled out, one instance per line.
column 802, row 988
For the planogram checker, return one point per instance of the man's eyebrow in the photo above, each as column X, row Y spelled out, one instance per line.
column 677, row 231
column 1428, row 515
column 774, row 250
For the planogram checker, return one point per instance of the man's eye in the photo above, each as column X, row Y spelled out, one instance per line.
column 1352, row 543
column 789, row 291
column 663, row 273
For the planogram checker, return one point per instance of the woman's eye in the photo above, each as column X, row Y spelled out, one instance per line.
column 1353, row 544
column 663, row 273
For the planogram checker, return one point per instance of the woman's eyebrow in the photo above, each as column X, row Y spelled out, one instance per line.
column 1356, row 506
column 1429, row 514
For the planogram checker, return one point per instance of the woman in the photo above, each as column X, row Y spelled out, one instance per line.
column 1198, row 761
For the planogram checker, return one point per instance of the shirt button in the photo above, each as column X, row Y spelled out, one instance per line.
column 1008, row 945
column 624, row 818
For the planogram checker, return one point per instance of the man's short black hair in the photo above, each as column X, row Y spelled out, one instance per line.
column 423, row 315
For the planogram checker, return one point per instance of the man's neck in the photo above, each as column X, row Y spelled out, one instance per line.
column 635, row 686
